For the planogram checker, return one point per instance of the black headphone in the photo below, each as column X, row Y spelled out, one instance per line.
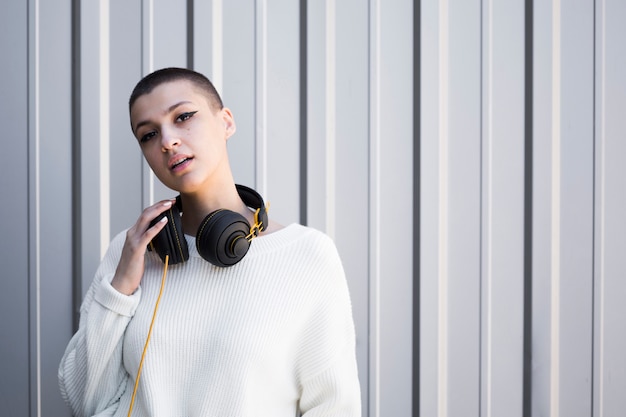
column 223, row 237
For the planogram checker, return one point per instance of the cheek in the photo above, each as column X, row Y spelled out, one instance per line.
column 151, row 156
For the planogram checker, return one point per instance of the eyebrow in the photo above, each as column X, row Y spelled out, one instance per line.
column 169, row 110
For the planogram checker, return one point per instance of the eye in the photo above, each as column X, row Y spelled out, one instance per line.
column 186, row 116
column 147, row 136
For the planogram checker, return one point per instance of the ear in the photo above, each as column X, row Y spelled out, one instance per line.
column 229, row 122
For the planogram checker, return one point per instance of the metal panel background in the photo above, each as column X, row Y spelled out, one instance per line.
column 54, row 174
column 563, row 208
column 450, row 208
column 549, row 222
column 502, row 213
column 610, row 205
column 515, row 158
column 15, row 349
column 391, row 175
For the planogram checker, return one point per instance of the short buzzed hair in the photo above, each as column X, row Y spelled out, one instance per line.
column 165, row 75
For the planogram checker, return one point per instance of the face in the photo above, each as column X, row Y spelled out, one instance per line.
column 182, row 137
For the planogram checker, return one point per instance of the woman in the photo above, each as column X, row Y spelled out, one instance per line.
column 267, row 332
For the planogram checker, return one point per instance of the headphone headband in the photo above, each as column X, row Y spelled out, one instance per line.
column 254, row 200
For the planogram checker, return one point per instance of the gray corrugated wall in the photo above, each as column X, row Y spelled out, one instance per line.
column 470, row 168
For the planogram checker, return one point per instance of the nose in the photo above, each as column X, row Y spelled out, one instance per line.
column 169, row 139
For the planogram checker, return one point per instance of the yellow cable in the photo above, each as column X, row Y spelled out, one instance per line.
column 145, row 347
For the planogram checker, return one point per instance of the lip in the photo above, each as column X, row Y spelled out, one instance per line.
column 179, row 162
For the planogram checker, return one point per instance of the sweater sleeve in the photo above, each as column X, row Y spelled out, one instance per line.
column 334, row 392
column 329, row 384
column 91, row 373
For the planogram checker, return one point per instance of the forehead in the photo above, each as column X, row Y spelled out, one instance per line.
column 162, row 97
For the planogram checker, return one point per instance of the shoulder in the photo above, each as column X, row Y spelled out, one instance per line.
column 300, row 251
column 298, row 238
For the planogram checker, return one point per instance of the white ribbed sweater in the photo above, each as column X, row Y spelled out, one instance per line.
column 267, row 337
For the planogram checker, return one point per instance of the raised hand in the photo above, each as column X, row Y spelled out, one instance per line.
column 131, row 265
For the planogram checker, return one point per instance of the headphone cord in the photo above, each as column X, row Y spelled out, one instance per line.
column 145, row 347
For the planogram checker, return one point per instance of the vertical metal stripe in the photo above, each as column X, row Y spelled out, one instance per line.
column 442, row 252
column 34, row 232
column 374, row 203
column 261, row 96
column 105, row 198
column 601, row 186
column 555, row 266
column 205, row 39
column 528, row 209
column 303, row 110
column 190, row 34
column 481, row 221
column 77, row 253
column 147, row 36
column 416, row 206
column 331, row 198
column 595, row 241
column 488, row 207
column 217, row 45
column 147, row 66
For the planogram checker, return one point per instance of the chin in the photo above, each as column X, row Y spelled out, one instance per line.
column 186, row 188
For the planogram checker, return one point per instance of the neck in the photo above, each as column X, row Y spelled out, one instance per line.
column 197, row 207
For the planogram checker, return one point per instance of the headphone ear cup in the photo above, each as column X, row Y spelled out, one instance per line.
column 221, row 238
column 170, row 240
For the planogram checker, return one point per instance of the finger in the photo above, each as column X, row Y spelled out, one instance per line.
column 137, row 238
column 155, row 228
column 159, row 207
column 153, row 212
column 158, row 222
column 143, row 232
